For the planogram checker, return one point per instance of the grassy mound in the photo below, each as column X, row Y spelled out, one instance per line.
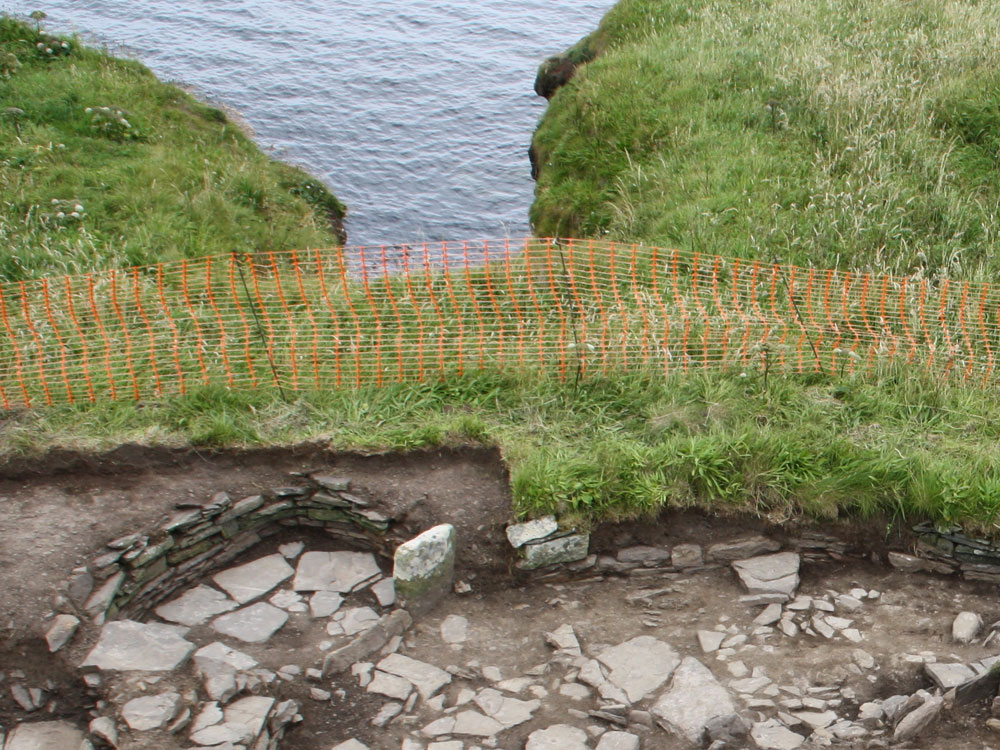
column 102, row 165
column 839, row 133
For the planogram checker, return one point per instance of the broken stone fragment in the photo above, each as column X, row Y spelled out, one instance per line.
column 531, row 531
column 770, row 574
column 105, row 730
column 563, row 549
column 686, row 556
column 773, row 735
column 454, row 629
column 966, row 627
column 424, row 567
column 47, row 735
column 914, row 723
column 694, row 698
column 557, row 737
column 640, row 665
column 741, row 549
column 564, row 639
column 151, row 711
column 62, row 629
column 427, row 678
column 947, row 676
column 711, row 640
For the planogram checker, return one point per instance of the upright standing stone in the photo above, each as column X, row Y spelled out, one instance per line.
column 425, row 566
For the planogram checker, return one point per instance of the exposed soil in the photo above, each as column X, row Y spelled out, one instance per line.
column 58, row 512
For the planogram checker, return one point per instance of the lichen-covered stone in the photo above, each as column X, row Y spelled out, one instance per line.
column 424, row 567
column 553, row 551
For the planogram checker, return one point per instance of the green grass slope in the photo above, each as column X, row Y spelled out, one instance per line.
column 848, row 133
column 102, row 164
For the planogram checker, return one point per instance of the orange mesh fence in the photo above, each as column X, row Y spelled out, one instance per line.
column 376, row 316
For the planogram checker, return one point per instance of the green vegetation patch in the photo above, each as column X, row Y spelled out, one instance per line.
column 895, row 446
column 103, row 165
column 838, row 133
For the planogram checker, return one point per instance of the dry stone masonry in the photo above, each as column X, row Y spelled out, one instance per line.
column 172, row 615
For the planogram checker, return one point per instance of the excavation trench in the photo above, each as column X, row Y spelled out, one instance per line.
column 61, row 512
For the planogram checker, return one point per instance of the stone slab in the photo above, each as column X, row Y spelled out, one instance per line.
column 520, row 534
column 564, row 549
column 253, row 579
column 196, row 606
column 640, row 665
column 427, row 678
column 947, row 676
column 47, row 735
column 695, row 697
column 207, row 657
column 253, row 624
column 59, row 633
column 334, row 571
column 618, row 741
column 557, row 737
column 151, row 711
column 126, row 646
column 773, row 735
column 424, row 567
column 778, row 573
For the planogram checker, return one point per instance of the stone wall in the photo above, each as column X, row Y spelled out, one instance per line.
column 137, row 572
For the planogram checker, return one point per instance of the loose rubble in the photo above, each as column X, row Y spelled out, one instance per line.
column 720, row 685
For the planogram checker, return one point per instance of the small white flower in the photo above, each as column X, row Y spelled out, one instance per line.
column 60, row 215
column 75, row 215
column 78, row 207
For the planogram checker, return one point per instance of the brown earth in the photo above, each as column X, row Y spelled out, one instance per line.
column 58, row 511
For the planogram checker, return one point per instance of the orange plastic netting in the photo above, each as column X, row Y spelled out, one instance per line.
column 373, row 316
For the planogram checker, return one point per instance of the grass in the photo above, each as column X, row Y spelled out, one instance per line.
column 853, row 133
column 816, row 447
column 838, row 133
column 103, row 165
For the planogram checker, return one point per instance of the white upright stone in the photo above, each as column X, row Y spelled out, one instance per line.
column 424, row 567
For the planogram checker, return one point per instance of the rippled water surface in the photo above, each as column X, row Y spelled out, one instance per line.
column 418, row 114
